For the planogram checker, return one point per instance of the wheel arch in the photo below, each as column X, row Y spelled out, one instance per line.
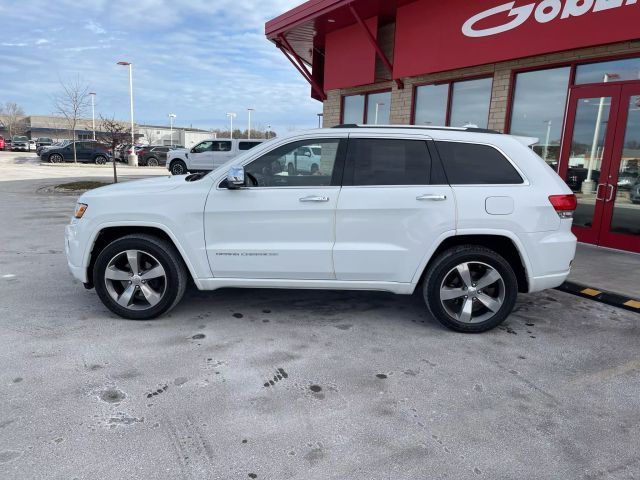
column 108, row 234
column 507, row 246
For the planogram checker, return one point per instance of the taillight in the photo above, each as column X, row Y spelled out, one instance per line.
column 564, row 205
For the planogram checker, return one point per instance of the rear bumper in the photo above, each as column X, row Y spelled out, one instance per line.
column 548, row 281
column 550, row 258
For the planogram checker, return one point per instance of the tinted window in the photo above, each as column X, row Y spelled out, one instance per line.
column 247, row 145
column 285, row 167
column 431, row 104
column 470, row 164
column 389, row 162
column 222, row 146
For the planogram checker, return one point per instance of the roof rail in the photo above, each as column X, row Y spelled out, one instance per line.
column 421, row 127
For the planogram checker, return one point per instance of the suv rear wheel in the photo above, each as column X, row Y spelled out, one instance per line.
column 470, row 289
column 178, row 167
column 140, row 277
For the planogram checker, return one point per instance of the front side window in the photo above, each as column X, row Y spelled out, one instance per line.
column 287, row 167
column 472, row 164
column 203, row 147
column 470, row 101
column 538, row 109
column 221, row 146
column 388, row 162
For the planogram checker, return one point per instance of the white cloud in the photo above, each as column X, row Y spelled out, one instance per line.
column 13, row 44
column 42, row 41
column 95, row 27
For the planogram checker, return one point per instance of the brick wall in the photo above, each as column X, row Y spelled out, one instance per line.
column 401, row 100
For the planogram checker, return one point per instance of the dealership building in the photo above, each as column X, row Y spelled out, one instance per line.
column 566, row 72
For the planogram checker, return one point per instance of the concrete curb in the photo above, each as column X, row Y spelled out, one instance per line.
column 610, row 298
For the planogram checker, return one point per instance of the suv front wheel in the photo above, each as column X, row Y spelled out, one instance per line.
column 140, row 277
column 470, row 289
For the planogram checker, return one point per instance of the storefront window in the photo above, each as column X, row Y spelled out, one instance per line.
column 431, row 104
column 353, row 109
column 470, row 103
column 378, row 108
column 377, row 112
column 613, row 71
column 538, row 109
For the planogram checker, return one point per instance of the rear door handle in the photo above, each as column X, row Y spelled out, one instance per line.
column 314, row 198
column 611, row 193
column 432, row 198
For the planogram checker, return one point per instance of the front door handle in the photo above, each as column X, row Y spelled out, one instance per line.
column 432, row 198
column 314, row 198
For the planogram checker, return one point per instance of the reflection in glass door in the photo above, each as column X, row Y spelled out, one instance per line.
column 623, row 191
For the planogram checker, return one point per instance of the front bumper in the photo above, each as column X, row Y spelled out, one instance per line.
column 75, row 254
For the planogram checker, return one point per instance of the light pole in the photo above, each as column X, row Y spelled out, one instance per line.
column 268, row 132
column 249, row 110
column 545, row 154
column 231, row 116
column 320, row 118
column 171, row 117
column 133, row 158
column 378, row 105
column 93, row 114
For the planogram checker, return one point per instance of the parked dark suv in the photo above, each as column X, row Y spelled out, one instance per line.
column 43, row 142
column 153, row 156
column 86, row 152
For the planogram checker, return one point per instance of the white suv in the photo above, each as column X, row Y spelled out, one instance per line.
column 470, row 216
column 207, row 155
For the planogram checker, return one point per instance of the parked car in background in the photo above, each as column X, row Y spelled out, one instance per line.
column 2, row 143
column 627, row 179
column 152, row 156
column 577, row 175
column 634, row 193
column 20, row 143
column 43, row 142
column 32, row 145
column 87, row 151
column 303, row 160
column 43, row 148
column 7, row 144
column 467, row 218
column 207, row 155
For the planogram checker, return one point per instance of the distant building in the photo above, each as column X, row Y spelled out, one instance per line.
column 57, row 128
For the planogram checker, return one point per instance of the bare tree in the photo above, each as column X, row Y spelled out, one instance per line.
column 114, row 134
column 72, row 103
column 12, row 118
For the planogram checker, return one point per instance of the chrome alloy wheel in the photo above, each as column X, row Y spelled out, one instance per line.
column 472, row 292
column 135, row 280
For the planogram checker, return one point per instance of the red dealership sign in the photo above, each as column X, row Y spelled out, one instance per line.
column 434, row 36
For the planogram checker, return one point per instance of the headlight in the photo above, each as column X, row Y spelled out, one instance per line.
column 81, row 208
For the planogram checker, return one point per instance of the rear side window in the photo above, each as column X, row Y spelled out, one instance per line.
column 221, row 146
column 471, row 164
column 247, row 145
column 388, row 162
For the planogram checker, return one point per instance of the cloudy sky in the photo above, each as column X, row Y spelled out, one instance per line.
column 196, row 58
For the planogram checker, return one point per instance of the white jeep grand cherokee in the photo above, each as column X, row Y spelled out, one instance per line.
column 470, row 216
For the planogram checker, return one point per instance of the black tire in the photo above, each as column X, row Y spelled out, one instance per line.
column 152, row 162
column 442, row 269
column 56, row 158
column 100, row 160
column 175, row 270
column 178, row 167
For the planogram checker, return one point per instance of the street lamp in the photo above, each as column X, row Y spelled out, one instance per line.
column 268, row 132
column 320, row 118
column 231, row 116
column 249, row 110
column 171, row 118
column 133, row 158
column 93, row 114
column 545, row 154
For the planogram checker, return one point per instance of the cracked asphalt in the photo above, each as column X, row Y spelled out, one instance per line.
column 283, row 384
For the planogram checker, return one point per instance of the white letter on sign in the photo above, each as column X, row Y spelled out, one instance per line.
column 521, row 15
column 576, row 8
column 548, row 10
column 607, row 4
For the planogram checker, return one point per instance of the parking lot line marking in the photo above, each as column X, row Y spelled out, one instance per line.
column 591, row 292
column 633, row 304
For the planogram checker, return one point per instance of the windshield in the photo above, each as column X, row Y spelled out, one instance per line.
column 316, row 151
column 20, row 139
column 44, row 139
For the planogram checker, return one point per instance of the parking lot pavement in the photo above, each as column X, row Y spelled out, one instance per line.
column 265, row 384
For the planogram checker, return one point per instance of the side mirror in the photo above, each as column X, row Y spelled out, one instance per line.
column 235, row 177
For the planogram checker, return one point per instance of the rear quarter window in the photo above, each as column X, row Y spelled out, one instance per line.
column 473, row 164
column 247, row 145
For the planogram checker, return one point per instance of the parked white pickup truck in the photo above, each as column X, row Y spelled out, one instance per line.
column 304, row 160
column 207, row 155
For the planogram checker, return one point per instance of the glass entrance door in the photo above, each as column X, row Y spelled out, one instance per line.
column 600, row 160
